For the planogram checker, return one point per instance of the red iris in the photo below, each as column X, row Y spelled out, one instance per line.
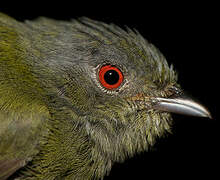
column 110, row 77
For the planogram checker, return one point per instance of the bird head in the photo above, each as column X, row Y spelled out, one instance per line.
column 119, row 85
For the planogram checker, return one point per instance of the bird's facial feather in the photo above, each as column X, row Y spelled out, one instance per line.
column 120, row 120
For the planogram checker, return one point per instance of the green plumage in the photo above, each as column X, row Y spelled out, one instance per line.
column 56, row 120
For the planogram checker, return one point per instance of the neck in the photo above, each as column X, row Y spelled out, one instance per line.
column 67, row 152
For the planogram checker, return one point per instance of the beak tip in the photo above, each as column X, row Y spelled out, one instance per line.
column 204, row 112
column 209, row 115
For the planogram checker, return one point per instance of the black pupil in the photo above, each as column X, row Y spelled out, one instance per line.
column 111, row 77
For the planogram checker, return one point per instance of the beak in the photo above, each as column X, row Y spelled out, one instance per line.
column 182, row 105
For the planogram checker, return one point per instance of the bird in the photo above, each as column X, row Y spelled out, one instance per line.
column 78, row 96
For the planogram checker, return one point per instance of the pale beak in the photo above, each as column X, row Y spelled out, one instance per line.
column 181, row 105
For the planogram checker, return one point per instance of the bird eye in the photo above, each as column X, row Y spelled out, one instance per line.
column 110, row 77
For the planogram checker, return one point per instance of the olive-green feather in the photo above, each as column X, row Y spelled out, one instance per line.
column 22, row 110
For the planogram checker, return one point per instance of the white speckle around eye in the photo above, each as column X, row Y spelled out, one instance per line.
column 115, row 120
column 87, row 127
column 157, row 122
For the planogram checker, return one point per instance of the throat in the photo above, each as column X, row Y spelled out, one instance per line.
column 119, row 141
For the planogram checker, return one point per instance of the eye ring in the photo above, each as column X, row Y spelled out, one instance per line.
column 110, row 77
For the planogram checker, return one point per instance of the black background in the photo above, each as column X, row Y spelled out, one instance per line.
column 187, row 34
